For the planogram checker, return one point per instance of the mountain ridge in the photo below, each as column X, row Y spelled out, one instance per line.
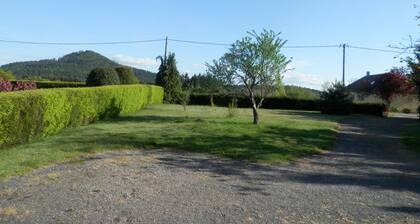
column 74, row 66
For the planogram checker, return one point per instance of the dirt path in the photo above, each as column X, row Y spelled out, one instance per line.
column 367, row 178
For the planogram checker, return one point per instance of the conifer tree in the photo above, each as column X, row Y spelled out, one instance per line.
column 168, row 77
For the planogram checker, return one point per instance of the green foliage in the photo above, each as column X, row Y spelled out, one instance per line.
column 280, row 90
column 297, row 92
column 6, row 75
column 168, row 77
column 184, row 98
column 102, row 77
column 73, row 67
column 233, row 108
column 336, row 100
column 26, row 115
column 52, row 84
column 255, row 61
column 126, row 75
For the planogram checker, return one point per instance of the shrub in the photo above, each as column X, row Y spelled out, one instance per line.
column 102, row 77
column 126, row 75
column 336, row 100
column 26, row 115
column 233, row 108
column 368, row 108
column 26, row 85
column 282, row 103
column 56, row 84
column 5, row 86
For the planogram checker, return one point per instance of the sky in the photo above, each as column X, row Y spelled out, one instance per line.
column 365, row 23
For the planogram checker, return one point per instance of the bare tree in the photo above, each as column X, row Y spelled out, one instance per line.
column 255, row 61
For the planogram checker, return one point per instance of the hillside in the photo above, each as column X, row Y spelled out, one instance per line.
column 71, row 67
column 299, row 92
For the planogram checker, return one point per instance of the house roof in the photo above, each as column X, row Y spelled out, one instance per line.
column 360, row 84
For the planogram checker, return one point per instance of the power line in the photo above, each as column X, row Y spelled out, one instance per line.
column 79, row 43
column 313, row 46
column 374, row 49
column 199, row 42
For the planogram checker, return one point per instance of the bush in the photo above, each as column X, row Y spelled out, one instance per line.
column 102, row 77
column 52, row 84
column 26, row 115
column 336, row 100
column 281, row 103
column 19, row 85
column 243, row 102
column 5, row 86
column 126, row 75
column 375, row 109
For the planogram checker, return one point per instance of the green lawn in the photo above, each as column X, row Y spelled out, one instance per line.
column 411, row 137
column 281, row 135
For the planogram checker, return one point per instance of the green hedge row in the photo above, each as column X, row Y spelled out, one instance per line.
column 56, row 84
column 281, row 103
column 25, row 115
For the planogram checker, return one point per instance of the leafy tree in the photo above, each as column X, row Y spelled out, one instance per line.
column 335, row 99
column 168, row 77
column 6, row 75
column 184, row 98
column 391, row 84
column 254, row 61
column 126, row 75
column 102, row 77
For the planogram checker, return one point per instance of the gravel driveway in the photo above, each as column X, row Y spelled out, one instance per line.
column 368, row 178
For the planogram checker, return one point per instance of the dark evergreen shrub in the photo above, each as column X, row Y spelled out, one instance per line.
column 102, row 77
column 126, row 75
column 336, row 100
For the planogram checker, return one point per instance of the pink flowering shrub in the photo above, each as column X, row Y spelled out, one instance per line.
column 26, row 85
column 5, row 86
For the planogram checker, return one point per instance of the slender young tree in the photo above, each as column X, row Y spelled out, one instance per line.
column 254, row 62
column 168, row 77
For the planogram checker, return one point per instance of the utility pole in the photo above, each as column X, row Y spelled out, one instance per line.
column 344, row 63
column 166, row 49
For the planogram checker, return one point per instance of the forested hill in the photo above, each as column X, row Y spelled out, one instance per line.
column 72, row 67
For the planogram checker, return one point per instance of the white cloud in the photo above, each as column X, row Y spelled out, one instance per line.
column 303, row 79
column 134, row 62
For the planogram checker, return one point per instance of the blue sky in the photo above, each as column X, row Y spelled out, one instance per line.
column 368, row 23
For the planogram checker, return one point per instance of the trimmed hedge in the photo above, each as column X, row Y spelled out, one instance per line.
column 27, row 115
column 244, row 102
column 54, row 84
column 282, row 103
column 368, row 108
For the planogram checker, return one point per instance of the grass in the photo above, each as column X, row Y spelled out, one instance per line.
column 411, row 137
column 281, row 135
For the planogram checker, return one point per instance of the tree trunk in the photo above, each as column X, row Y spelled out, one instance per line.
column 255, row 113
